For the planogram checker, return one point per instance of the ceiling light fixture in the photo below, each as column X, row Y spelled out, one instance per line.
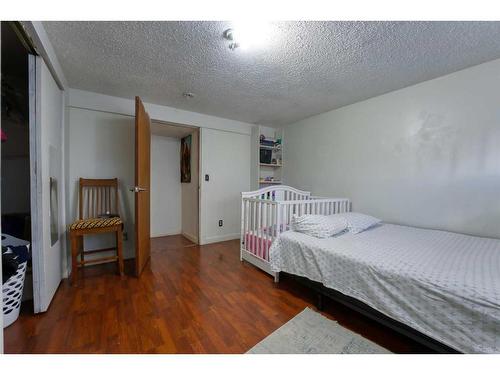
column 229, row 35
column 246, row 34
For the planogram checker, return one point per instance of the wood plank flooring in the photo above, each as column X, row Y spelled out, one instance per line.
column 190, row 299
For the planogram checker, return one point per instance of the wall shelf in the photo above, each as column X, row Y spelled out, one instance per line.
column 269, row 182
column 269, row 171
column 271, row 165
column 274, row 148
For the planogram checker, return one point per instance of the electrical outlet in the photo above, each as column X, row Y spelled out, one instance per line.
column 125, row 236
column 221, row 223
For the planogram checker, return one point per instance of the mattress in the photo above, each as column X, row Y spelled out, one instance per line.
column 445, row 285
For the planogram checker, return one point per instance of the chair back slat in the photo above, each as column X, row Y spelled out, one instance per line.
column 98, row 197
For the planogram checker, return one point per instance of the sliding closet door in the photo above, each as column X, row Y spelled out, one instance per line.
column 1, row 299
column 48, row 230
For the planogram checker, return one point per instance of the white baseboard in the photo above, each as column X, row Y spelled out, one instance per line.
column 225, row 237
column 190, row 237
column 156, row 235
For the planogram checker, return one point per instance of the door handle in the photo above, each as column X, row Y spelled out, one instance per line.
column 137, row 189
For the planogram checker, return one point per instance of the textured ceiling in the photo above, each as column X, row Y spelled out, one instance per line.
column 305, row 69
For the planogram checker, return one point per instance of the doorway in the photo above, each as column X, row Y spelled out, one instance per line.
column 16, row 210
column 175, row 181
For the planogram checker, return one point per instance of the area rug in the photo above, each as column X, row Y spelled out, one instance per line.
column 311, row 333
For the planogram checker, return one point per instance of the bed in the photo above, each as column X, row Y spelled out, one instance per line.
column 443, row 285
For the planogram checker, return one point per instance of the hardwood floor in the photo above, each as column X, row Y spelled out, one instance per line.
column 190, row 299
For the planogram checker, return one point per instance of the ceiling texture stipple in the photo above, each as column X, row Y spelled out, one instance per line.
column 306, row 68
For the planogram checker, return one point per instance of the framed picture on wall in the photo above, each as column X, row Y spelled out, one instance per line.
column 186, row 159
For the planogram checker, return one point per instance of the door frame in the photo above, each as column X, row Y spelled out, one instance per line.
column 196, row 130
column 200, row 176
column 35, row 140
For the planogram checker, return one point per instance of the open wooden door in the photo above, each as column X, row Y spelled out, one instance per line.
column 142, row 186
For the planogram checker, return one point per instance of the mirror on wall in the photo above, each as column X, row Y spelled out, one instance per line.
column 54, row 204
column 54, row 220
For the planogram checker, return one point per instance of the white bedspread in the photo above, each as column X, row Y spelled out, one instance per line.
column 443, row 284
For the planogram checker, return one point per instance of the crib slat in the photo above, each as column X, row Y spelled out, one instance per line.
column 259, row 226
column 254, row 220
column 242, row 239
column 266, row 232
column 245, row 225
column 264, row 229
column 275, row 220
column 247, row 219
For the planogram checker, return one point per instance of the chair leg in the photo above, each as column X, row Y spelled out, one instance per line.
column 80, row 248
column 74, row 255
column 119, row 250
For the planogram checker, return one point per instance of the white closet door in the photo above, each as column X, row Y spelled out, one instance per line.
column 225, row 158
column 46, row 129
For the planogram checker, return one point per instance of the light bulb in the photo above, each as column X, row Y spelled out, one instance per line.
column 250, row 34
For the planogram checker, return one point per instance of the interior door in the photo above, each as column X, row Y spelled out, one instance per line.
column 142, row 186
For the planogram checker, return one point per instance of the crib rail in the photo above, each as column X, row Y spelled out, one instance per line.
column 277, row 192
column 322, row 206
column 266, row 213
column 270, row 217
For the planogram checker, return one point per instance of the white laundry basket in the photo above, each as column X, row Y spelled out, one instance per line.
column 12, row 292
column 12, row 289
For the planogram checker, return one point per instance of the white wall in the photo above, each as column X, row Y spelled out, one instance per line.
column 190, row 194
column 427, row 155
column 113, row 104
column 165, row 186
column 225, row 157
column 101, row 145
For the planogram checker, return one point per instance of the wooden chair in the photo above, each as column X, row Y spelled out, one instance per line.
column 98, row 213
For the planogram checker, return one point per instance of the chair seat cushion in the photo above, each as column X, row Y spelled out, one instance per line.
column 96, row 223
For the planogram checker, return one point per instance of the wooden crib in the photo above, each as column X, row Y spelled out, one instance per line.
column 267, row 212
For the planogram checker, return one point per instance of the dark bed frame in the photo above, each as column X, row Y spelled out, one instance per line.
column 371, row 313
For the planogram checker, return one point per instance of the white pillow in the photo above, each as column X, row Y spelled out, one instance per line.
column 320, row 226
column 357, row 223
